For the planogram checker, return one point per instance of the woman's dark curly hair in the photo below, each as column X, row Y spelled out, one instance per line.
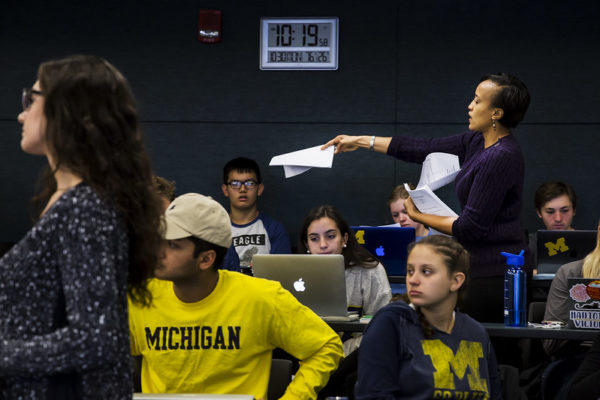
column 93, row 130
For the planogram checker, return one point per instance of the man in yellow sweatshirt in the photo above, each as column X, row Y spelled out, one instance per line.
column 213, row 331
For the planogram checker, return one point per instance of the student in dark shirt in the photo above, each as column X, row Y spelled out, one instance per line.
column 64, row 286
column 489, row 185
column 253, row 231
column 426, row 349
column 557, row 304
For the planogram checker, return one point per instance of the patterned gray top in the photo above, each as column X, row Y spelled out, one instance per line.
column 75, row 259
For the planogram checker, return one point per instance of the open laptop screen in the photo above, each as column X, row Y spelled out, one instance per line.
column 389, row 244
column 584, row 303
column 555, row 248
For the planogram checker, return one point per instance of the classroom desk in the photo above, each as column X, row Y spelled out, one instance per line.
column 353, row 326
column 499, row 330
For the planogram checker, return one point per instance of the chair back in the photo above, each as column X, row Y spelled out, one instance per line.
column 280, row 378
column 536, row 311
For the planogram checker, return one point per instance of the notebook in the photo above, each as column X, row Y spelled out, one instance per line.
column 555, row 248
column 584, row 303
column 317, row 281
column 389, row 244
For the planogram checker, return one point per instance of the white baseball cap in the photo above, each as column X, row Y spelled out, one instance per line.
column 193, row 214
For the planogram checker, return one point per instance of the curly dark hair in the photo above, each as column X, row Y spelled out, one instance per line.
column 354, row 254
column 93, row 130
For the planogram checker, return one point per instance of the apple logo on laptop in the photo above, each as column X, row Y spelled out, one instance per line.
column 379, row 251
column 299, row 285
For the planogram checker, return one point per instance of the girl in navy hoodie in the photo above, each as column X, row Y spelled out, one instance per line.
column 424, row 348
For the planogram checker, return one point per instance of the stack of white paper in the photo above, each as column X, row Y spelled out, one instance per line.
column 300, row 161
column 438, row 170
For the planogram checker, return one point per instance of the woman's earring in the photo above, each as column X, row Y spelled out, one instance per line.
column 494, row 123
column 345, row 245
column 308, row 251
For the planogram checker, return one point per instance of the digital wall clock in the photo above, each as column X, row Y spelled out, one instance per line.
column 299, row 43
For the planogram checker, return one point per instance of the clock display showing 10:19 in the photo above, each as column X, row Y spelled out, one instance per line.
column 297, row 43
column 290, row 35
column 299, row 35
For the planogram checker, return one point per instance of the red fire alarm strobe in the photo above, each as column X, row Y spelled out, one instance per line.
column 209, row 26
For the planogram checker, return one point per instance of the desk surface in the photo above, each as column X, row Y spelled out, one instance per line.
column 351, row 326
column 499, row 330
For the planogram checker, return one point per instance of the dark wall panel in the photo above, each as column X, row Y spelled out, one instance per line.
column 407, row 67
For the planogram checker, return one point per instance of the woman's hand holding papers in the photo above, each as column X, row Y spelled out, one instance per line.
column 345, row 143
column 412, row 210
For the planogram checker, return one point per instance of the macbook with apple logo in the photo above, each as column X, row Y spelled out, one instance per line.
column 389, row 244
column 317, row 281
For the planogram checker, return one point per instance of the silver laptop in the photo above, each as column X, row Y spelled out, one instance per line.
column 317, row 281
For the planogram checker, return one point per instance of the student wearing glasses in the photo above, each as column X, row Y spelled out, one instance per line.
column 64, row 286
column 253, row 232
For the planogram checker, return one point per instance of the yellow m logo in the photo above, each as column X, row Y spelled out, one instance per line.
column 554, row 248
column 447, row 364
column 360, row 236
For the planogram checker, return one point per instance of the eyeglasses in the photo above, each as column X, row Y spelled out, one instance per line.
column 250, row 184
column 27, row 97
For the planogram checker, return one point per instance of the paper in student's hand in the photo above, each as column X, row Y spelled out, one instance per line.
column 439, row 169
column 300, row 161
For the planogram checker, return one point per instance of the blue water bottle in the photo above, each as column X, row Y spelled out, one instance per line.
column 515, row 295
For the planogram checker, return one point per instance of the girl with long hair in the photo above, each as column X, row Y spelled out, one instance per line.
column 557, row 306
column 425, row 348
column 325, row 231
column 65, row 284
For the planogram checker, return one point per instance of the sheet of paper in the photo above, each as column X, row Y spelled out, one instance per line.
column 428, row 203
column 300, row 161
column 439, row 169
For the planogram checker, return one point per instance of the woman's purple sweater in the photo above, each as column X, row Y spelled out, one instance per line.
column 489, row 188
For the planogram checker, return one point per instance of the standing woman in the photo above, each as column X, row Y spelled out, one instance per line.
column 426, row 349
column 64, row 286
column 489, row 185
